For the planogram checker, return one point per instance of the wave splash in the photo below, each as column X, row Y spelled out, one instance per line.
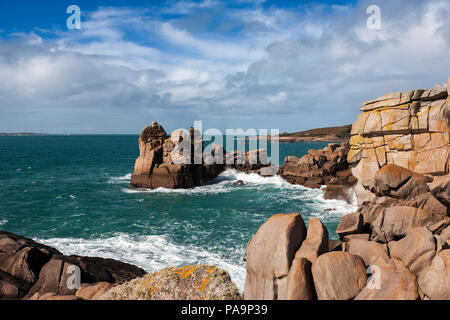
column 150, row 252
column 224, row 183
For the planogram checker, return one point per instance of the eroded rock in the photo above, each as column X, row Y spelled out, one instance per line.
column 269, row 256
column 338, row 276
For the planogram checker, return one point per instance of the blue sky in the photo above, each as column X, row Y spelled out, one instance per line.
column 289, row 65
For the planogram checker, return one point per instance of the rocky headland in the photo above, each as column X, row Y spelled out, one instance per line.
column 395, row 246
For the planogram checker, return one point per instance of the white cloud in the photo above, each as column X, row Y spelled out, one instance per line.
column 291, row 69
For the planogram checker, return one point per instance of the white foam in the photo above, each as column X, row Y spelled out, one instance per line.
column 3, row 221
column 123, row 179
column 151, row 252
column 224, row 183
column 254, row 178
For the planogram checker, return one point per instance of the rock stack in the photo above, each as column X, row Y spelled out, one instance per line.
column 155, row 167
column 328, row 167
column 409, row 129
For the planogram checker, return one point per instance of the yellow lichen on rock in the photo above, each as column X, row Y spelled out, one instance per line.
column 410, row 129
column 194, row 282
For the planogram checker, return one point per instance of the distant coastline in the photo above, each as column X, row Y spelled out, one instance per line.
column 20, row 134
column 329, row 134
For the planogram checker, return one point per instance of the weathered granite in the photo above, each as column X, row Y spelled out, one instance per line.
column 410, row 129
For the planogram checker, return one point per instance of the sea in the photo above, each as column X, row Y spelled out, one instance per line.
column 73, row 193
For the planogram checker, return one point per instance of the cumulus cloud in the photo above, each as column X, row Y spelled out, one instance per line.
column 297, row 68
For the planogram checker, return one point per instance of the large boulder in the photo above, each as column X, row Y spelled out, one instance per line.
column 369, row 251
column 435, row 279
column 415, row 251
column 12, row 287
column 394, row 222
column 316, row 242
column 338, row 276
column 269, row 256
column 427, row 202
column 351, row 223
column 440, row 188
column 58, row 275
column 23, row 258
column 390, row 280
column 93, row 291
column 300, row 283
column 197, row 282
column 398, row 182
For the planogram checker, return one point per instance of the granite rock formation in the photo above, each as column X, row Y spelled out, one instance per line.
column 197, row 282
column 409, row 129
column 155, row 167
column 32, row 270
column 328, row 167
column 396, row 246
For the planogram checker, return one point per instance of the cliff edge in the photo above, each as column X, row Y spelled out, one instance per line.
column 409, row 129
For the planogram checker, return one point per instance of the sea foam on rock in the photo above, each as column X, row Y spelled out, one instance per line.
column 328, row 167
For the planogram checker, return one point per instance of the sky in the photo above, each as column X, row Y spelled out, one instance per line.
column 287, row 65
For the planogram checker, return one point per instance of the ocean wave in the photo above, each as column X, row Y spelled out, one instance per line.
column 150, row 252
column 326, row 208
column 123, row 179
column 224, row 183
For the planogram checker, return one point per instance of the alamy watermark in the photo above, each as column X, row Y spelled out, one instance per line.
column 374, row 20
column 74, row 280
column 374, row 280
column 236, row 146
column 74, row 20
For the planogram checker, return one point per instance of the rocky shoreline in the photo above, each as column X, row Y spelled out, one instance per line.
column 396, row 246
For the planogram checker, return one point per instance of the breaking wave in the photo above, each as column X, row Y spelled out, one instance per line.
column 151, row 252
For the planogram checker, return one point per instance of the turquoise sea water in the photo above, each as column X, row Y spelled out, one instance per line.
column 73, row 193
